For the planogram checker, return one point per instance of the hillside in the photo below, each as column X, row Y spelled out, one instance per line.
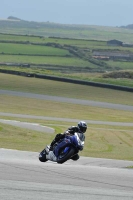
column 71, row 58
column 13, row 18
column 130, row 26
column 48, row 29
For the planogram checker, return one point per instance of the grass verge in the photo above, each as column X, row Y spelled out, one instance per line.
column 104, row 142
column 31, row 106
column 57, row 88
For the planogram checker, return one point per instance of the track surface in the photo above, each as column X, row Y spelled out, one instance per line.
column 22, row 177
column 57, row 119
column 31, row 126
column 68, row 100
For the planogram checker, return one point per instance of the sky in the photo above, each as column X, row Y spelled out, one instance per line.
column 89, row 12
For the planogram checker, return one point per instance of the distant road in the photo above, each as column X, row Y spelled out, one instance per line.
column 61, row 120
column 68, row 100
column 27, row 125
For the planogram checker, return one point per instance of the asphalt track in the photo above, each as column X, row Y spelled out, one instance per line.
column 68, row 100
column 31, row 126
column 16, row 123
column 23, row 177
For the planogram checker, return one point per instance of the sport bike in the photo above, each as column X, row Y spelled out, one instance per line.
column 63, row 150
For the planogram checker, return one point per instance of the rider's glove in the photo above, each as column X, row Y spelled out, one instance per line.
column 66, row 133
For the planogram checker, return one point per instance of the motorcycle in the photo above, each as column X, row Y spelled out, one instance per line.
column 63, row 150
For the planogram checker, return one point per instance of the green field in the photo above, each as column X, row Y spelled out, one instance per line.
column 122, row 65
column 30, row 49
column 63, row 57
column 83, row 43
column 53, row 60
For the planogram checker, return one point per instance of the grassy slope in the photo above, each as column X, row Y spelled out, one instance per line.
column 44, row 60
column 69, row 31
column 104, row 142
column 29, row 106
column 56, row 88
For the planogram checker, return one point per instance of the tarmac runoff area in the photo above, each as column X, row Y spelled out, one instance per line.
column 23, row 176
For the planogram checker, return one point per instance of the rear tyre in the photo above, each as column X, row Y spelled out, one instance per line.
column 63, row 157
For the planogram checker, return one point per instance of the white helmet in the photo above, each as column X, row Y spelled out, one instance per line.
column 82, row 126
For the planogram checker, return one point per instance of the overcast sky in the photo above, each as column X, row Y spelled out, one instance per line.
column 91, row 12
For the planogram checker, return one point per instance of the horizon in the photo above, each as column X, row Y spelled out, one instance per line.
column 19, row 19
column 114, row 13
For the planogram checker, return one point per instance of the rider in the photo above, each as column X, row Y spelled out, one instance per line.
column 80, row 128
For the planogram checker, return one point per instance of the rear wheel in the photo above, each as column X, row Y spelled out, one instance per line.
column 63, row 157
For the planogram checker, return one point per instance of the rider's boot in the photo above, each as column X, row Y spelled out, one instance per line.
column 51, row 156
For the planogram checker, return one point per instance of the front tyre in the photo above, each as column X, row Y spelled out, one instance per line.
column 42, row 156
column 63, row 157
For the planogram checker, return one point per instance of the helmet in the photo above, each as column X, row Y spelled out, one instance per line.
column 82, row 126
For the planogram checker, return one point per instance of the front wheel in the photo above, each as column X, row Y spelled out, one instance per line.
column 63, row 157
column 42, row 156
